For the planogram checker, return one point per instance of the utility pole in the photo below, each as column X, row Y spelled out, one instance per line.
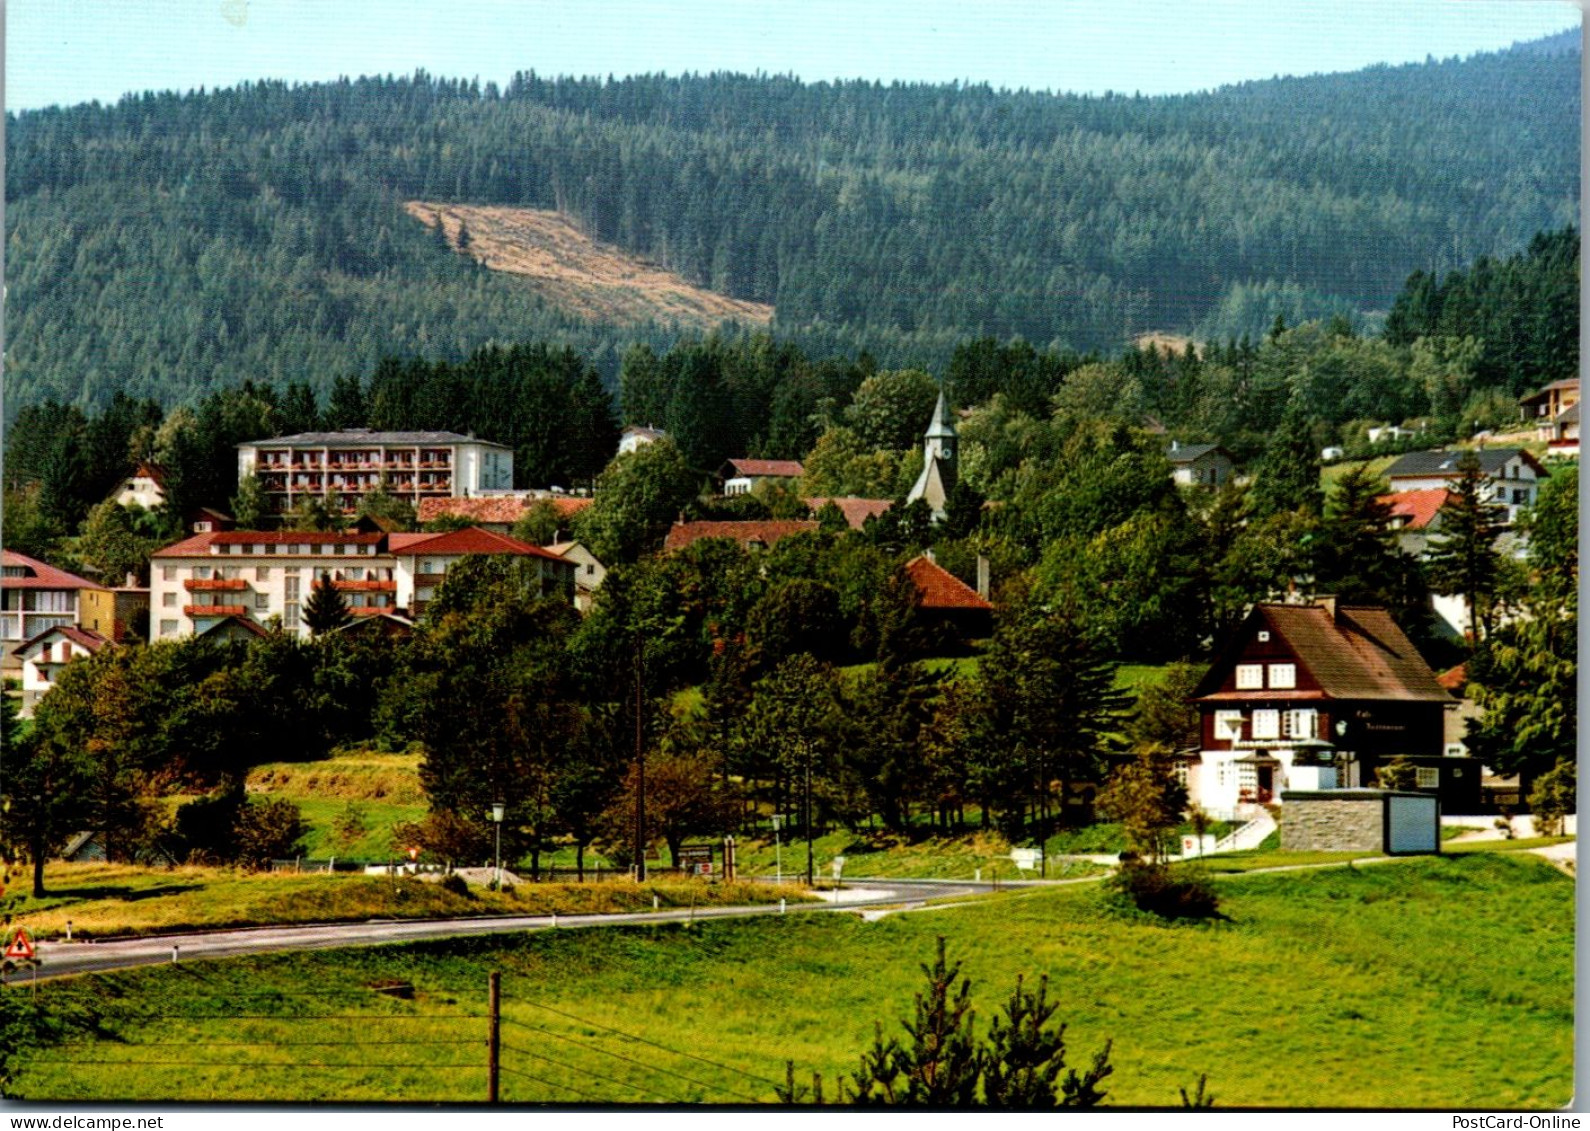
column 493, row 1033
column 640, row 766
column 811, row 874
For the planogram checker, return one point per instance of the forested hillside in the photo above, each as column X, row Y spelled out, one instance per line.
column 171, row 243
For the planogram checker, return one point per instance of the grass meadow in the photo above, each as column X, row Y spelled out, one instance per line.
column 1428, row 982
column 113, row 900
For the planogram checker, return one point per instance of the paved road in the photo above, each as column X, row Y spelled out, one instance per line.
column 62, row 959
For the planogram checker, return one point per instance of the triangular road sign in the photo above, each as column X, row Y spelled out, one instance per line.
column 21, row 946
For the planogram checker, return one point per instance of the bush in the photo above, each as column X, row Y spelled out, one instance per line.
column 1161, row 891
column 1554, row 796
column 268, row 830
column 454, row 883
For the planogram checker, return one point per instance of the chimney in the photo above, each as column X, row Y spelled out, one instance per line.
column 982, row 576
column 132, row 580
column 1175, row 445
column 928, row 554
column 1328, row 603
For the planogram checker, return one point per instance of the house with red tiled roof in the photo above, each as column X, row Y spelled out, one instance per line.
column 35, row 596
column 741, row 476
column 856, row 510
column 145, row 487
column 1318, row 697
column 46, row 654
column 755, row 534
column 944, row 599
column 258, row 575
column 498, row 512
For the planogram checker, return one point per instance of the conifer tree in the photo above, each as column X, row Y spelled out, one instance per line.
column 325, row 609
column 1463, row 558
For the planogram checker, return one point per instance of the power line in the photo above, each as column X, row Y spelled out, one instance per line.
column 632, row 1060
column 645, row 1041
column 264, row 1064
column 586, row 1071
column 550, row 1084
column 410, row 1043
column 321, row 1016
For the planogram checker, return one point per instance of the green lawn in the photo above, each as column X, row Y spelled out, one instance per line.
column 104, row 900
column 936, row 858
column 1433, row 982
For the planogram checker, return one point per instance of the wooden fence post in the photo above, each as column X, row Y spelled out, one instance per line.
column 493, row 1033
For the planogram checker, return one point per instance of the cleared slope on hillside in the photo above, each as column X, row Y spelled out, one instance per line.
column 576, row 273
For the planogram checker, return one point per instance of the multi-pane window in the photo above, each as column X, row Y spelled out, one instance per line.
column 168, row 628
column 168, row 573
column 1267, row 724
column 1283, row 675
column 1228, row 725
column 1301, row 724
column 1250, row 677
column 1427, row 777
column 290, row 616
column 168, row 599
column 262, row 573
column 262, row 600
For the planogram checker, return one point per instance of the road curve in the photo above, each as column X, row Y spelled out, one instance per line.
column 59, row 959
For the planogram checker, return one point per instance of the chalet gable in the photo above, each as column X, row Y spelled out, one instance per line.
column 1320, row 651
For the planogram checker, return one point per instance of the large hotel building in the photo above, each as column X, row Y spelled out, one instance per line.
column 345, row 465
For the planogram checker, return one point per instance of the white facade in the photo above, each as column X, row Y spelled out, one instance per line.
column 44, row 656
column 347, row 465
column 199, row 582
column 633, row 437
column 1513, row 484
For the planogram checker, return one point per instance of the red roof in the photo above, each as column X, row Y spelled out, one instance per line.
column 1418, row 507
column 86, row 637
column 470, row 540
column 763, row 532
column 37, row 575
column 506, row 509
column 856, row 510
column 1454, row 679
column 770, row 468
column 940, row 588
column 201, row 543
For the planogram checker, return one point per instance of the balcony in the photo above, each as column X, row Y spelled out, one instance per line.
column 421, row 580
column 215, row 610
column 365, row 586
column 215, row 584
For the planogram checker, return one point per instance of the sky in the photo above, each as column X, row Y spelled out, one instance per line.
column 71, row 51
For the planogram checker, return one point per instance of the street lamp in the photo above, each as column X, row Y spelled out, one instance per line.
column 498, row 808
column 778, row 853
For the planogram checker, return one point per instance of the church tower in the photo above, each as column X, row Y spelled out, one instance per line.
column 938, row 461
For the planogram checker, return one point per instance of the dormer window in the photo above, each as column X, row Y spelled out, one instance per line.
column 1250, row 677
column 1283, row 675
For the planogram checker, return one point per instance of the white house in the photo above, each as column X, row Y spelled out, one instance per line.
column 46, row 654
column 145, row 488
column 740, row 476
column 1511, row 475
column 635, row 436
column 1202, row 465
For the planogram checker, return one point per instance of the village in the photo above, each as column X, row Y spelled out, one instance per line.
column 753, row 557
column 1307, row 697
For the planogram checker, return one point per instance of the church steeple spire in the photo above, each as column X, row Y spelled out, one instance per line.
column 938, row 460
